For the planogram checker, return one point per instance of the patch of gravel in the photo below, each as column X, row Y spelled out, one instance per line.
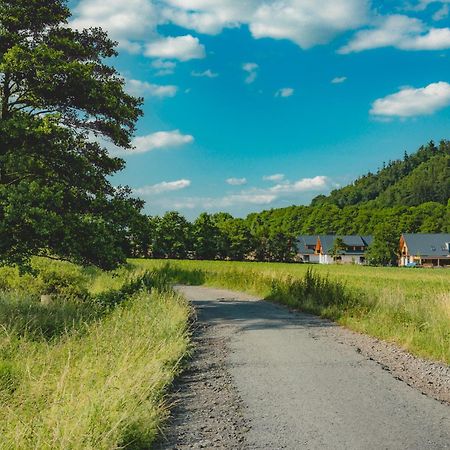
column 207, row 411
column 429, row 377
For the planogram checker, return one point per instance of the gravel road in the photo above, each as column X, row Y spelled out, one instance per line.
column 265, row 377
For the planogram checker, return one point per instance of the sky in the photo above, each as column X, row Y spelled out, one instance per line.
column 259, row 104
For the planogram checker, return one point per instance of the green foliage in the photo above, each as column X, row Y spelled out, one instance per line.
column 173, row 236
column 418, row 178
column 411, row 308
column 206, row 237
column 56, row 94
column 338, row 247
column 383, row 250
column 89, row 373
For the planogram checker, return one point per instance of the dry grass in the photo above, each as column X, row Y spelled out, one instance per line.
column 81, row 375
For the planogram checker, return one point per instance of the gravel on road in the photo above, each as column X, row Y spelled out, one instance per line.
column 266, row 377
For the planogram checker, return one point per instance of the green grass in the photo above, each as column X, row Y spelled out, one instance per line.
column 89, row 370
column 410, row 307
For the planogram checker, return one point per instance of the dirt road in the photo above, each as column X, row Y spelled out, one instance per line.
column 296, row 381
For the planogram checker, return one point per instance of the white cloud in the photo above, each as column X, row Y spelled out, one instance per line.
column 338, row 80
column 164, row 67
column 236, row 181
column 183, row 48
column 207, row 73
column 165, row 186
column 127, row 22
column 305, row 184
column 144, row 89
column 402, row 32
column 209, row 16
column 160, row 140
column 409, row 102
column 275, row 177
column 308, row 22
column 441, row 13
column 255, row 196
column 305, row 22
column 284, row 92
column 252, row 71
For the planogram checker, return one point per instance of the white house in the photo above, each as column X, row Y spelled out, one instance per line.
column 352, row 252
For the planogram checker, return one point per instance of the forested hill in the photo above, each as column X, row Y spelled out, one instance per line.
column 418, row 178
column 411, row 194
column 406, row 196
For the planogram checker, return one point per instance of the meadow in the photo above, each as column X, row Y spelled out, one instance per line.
column 410, row 307
column 90, row 368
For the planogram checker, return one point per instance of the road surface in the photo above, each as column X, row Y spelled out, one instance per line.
column 303, row 388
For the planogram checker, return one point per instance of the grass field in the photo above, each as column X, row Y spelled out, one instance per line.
column 90, row 369
column 408, row 306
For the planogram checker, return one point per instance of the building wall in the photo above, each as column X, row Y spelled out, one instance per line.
column 344, row 259
column 309, row 258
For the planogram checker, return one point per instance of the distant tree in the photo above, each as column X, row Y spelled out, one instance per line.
column 172, row 237
column 56, row 94
column 384, row 248
column 206, row 237
column 140, row 236
column 281, row 247
column 237, row 239
column 338, row 248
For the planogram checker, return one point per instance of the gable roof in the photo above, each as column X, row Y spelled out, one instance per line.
column 327, row 242
column 303, row 241
column 427, row 244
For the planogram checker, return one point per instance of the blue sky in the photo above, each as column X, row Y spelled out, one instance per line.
column 260, row 104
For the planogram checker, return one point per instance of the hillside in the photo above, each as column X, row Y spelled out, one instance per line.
column 412, row 194
column 418, row 178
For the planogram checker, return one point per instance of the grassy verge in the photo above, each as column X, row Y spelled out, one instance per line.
column 88, row 371
column 409, row 307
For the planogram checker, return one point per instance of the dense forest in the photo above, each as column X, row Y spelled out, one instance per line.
column 407, row 195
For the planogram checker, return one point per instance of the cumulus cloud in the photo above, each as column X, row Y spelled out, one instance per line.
column 252, row 71
column 308, row 22
column 183, row 48
column 236, row 181
column 409, row 102
column 145, row 89
column 338, row 80
column 284, row 92
column 160, row 140
column 256, row 196
column 274, row 177
column 163, row 187
column 402, row 32
column 207, row 73
column 127, row 22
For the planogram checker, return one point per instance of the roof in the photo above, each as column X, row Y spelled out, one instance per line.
column 422, row 244
column 327, row 241
column 303, row 241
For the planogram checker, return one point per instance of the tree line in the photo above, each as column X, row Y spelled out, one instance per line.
column 272, row 235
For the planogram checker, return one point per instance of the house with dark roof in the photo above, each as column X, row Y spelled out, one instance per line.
column 352, row 251
column 422, row 249
column 306, row 249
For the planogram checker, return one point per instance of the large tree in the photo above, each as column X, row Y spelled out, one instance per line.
column 58, row 97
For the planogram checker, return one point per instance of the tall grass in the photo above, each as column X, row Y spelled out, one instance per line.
column 408, row 306
column 89, row 372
